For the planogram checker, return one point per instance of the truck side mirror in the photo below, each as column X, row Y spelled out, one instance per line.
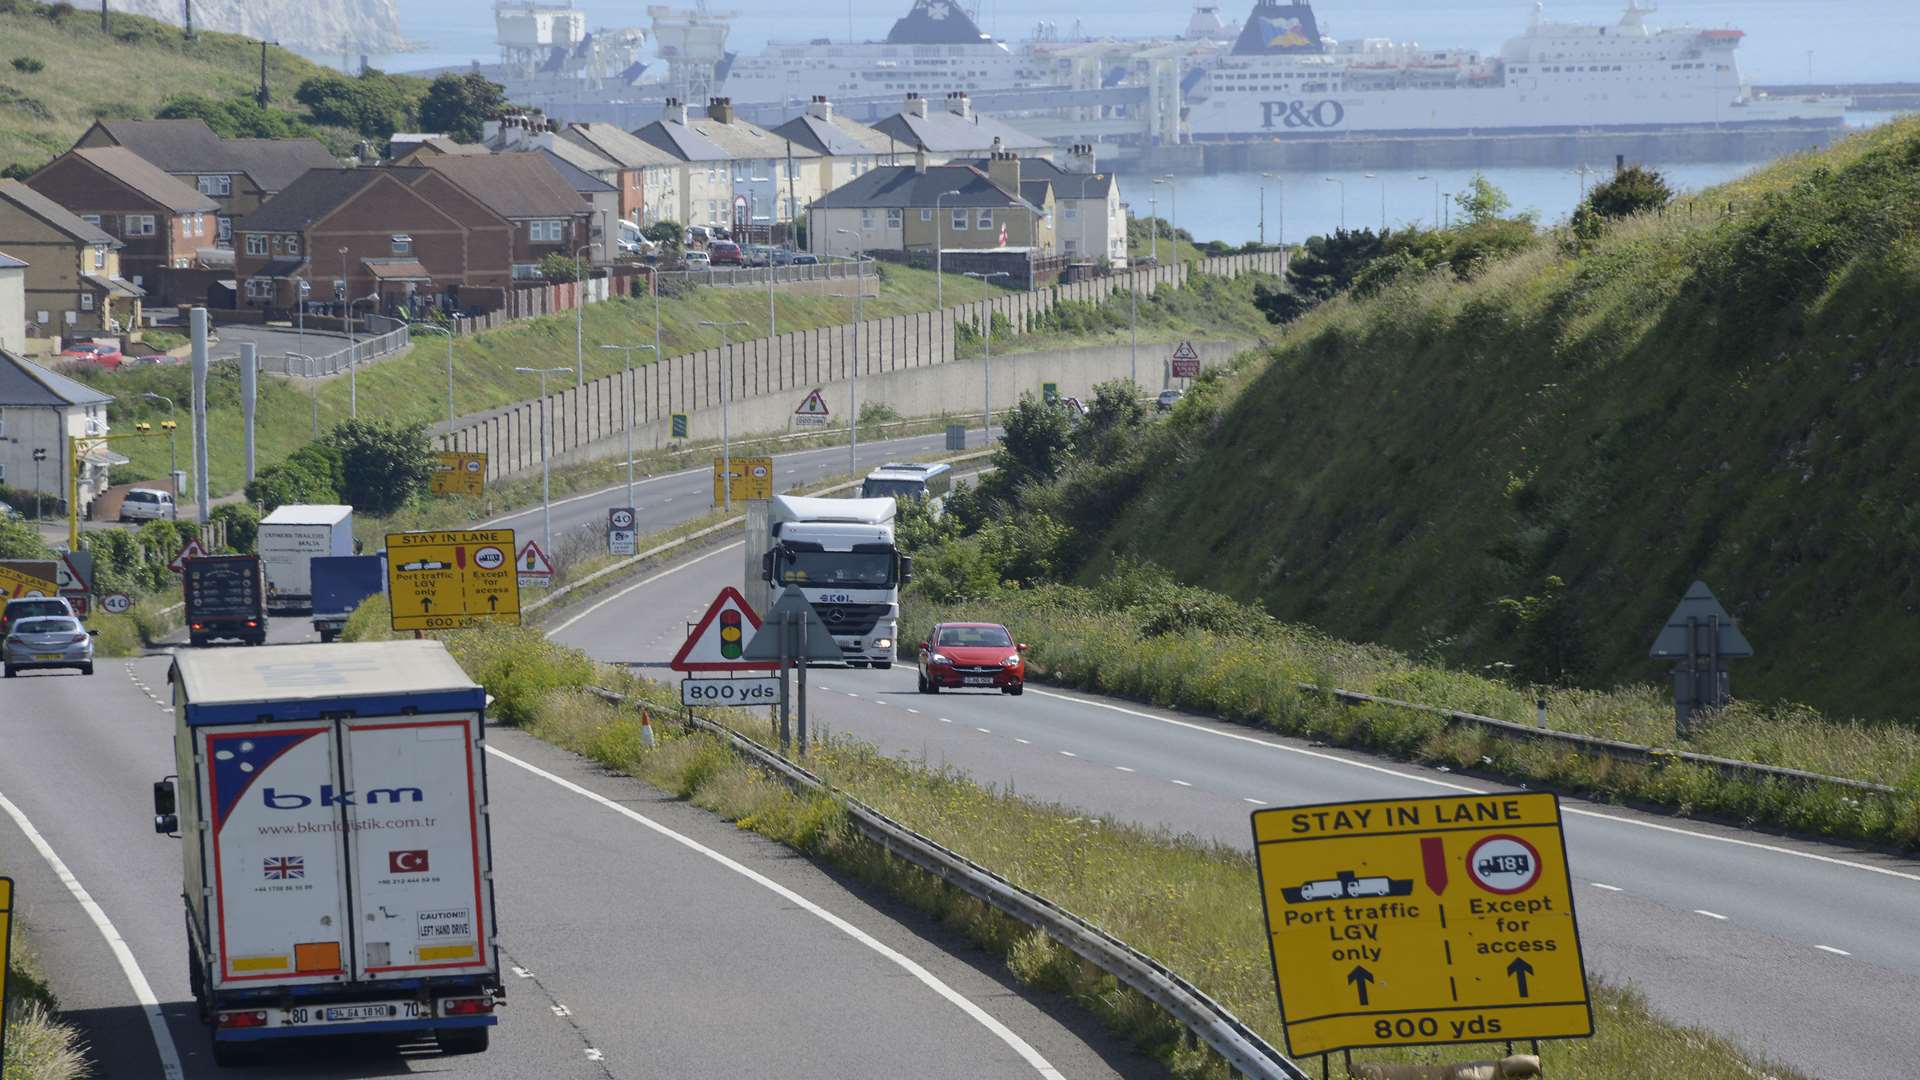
column 766, row 566
column 165, row 821
column 906, row 569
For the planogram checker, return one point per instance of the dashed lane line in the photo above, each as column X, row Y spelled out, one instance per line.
column 1608, row 888
column 927, row 978
column 1834, row 951
column 1710, row 914
column 1182, row 783
column 1122, row 768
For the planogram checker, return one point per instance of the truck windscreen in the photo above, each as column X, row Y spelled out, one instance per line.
column 853, row 569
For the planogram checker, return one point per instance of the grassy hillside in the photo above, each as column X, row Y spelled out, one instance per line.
column 1530, row 468
column 85, row 75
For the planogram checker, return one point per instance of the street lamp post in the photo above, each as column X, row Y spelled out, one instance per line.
column 939, row 246
column 726, row 397
column 546, row 440
column 626, row 405
column 353, row 358
column 1436, row 198
column 173, row 457
column 1153, row 224
column 1264, row 177
column 1383, row 200
column 432, row 329
column 1446, row 211
column 301, row 289
column 580, row 316
column 1173, row 223
column 853, row 375
column 986, row 318
column 1343, row 198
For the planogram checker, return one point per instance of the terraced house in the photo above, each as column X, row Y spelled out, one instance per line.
column 738, row 174
column 162, row 223
column 72, row 279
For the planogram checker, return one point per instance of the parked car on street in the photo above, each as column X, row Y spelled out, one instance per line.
column 1167, row 400
column 8, row 513
column 782, row 256
column 699, row 236
column 725, row 253
column 973, row 655
column 759, row 254
column 94, row 352
column 147, row 504
column 805, row 260
column 49, row 641
column 698, row 260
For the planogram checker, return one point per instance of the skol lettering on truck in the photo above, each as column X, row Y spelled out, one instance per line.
column 318, row 785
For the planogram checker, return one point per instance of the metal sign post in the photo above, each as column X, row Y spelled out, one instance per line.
column 786, row 717
column 1701, row 635
column 802, row 661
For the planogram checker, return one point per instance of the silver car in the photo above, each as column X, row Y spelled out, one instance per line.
column 47, row 641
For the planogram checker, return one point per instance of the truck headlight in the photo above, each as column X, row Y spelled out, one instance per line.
column 883, row 643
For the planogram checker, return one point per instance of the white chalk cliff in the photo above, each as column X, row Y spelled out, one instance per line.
column 308, row 26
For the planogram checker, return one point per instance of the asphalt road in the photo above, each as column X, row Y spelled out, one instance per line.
column 1804, row 952
column 640, row 937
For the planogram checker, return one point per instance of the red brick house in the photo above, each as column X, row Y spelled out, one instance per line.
column 162, row 222
column 547, row 215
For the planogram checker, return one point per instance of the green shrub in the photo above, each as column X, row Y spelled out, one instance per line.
column 243, row 526
column 28, row 65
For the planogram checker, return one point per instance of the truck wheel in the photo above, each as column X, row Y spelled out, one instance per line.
column 326, row 637
column 462, row 1040
column 10, row 671
column 198, row 641
column 856, row 663
column 882, row 665
column 230, row 1055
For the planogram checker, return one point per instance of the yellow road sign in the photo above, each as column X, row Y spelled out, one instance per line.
column 6, row 947
column 752, row 478
column 450, row 580
column 15, row 584
column 458, row 473
column 1407, row 922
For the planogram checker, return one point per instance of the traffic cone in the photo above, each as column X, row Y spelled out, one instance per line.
column 646, row 729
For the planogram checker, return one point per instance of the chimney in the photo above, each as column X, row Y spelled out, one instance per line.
column 920, row 160
column 960, row 105
column 916, row 105
column 1080, row 159
column 820, row 108
column 720, row 110
column 490, row 129
column 1003, row 168
column 675, row 112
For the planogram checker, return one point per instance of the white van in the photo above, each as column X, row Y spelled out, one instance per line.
column 147, row 504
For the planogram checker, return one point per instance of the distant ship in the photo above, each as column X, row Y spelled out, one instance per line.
column 1282, row 79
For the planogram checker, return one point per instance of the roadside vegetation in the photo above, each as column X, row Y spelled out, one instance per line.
column 1516, row 464
column 412, row 387
column 39, row 1046
column 1207, row 307
column 1192, row 906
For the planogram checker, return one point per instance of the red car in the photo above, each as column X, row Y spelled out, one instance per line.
column 93, row 352
column 725, row 253
column 982, row 655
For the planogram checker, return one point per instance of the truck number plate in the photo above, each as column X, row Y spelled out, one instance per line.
column 360, row 1012
column 978, row 680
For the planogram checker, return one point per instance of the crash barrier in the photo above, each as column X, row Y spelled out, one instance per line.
column 1622, row 751
column 359, row 352
column 1210, row 1021
column 515, row 437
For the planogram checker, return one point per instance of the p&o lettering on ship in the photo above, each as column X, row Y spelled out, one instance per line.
column 1300, row 114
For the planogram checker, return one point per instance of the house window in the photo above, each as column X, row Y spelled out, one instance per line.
column 402, row 244
column 139, row 281
column 546, row 232
column 91, row 219
column 199, row 224
column 99, row 256
column 293, row 245
column 1069, row 213
column 86, row 301
column 893, row 218
column 926, row 215
column 256, row 244
column 960, row 219
column 216, row 185
column 524, row 271
column 985, row 220
column 866, row 219
column 259, row 289
column 223, row 228
column 138, row 225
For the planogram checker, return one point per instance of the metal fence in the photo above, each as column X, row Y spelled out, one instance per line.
column 742, row 276
column 360, row 352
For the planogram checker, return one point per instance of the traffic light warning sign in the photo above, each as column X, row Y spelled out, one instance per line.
column 719, row 639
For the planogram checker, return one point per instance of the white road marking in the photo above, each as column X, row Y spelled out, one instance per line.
column 522, row 972
column 915, row 712
column 595, row 1055
column 1710, row 914
column 604, row 601
column 983, row 731
column 560, row 1010
column 1834, row 951
column 1256, row 802
column 1183, row 783
column 1609, row 888
column 1068, row 753
column 1024, row 742
column 1415, row 777
column 1123, row 768
column 142, row 990
column 944, row 720
column 927, row 978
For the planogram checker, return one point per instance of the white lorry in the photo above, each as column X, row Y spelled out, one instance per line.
column 290, row 538
column 332, row 806
column 840, row 552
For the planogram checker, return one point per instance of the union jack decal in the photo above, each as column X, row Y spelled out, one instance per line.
column 285, row 868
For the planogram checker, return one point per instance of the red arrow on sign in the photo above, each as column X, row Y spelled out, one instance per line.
column 1433, row 857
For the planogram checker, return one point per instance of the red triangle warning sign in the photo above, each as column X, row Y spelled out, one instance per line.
column 814, row 405
column 192, row 550
column 719, row 639
column 1185, row 352
column 533, row 561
